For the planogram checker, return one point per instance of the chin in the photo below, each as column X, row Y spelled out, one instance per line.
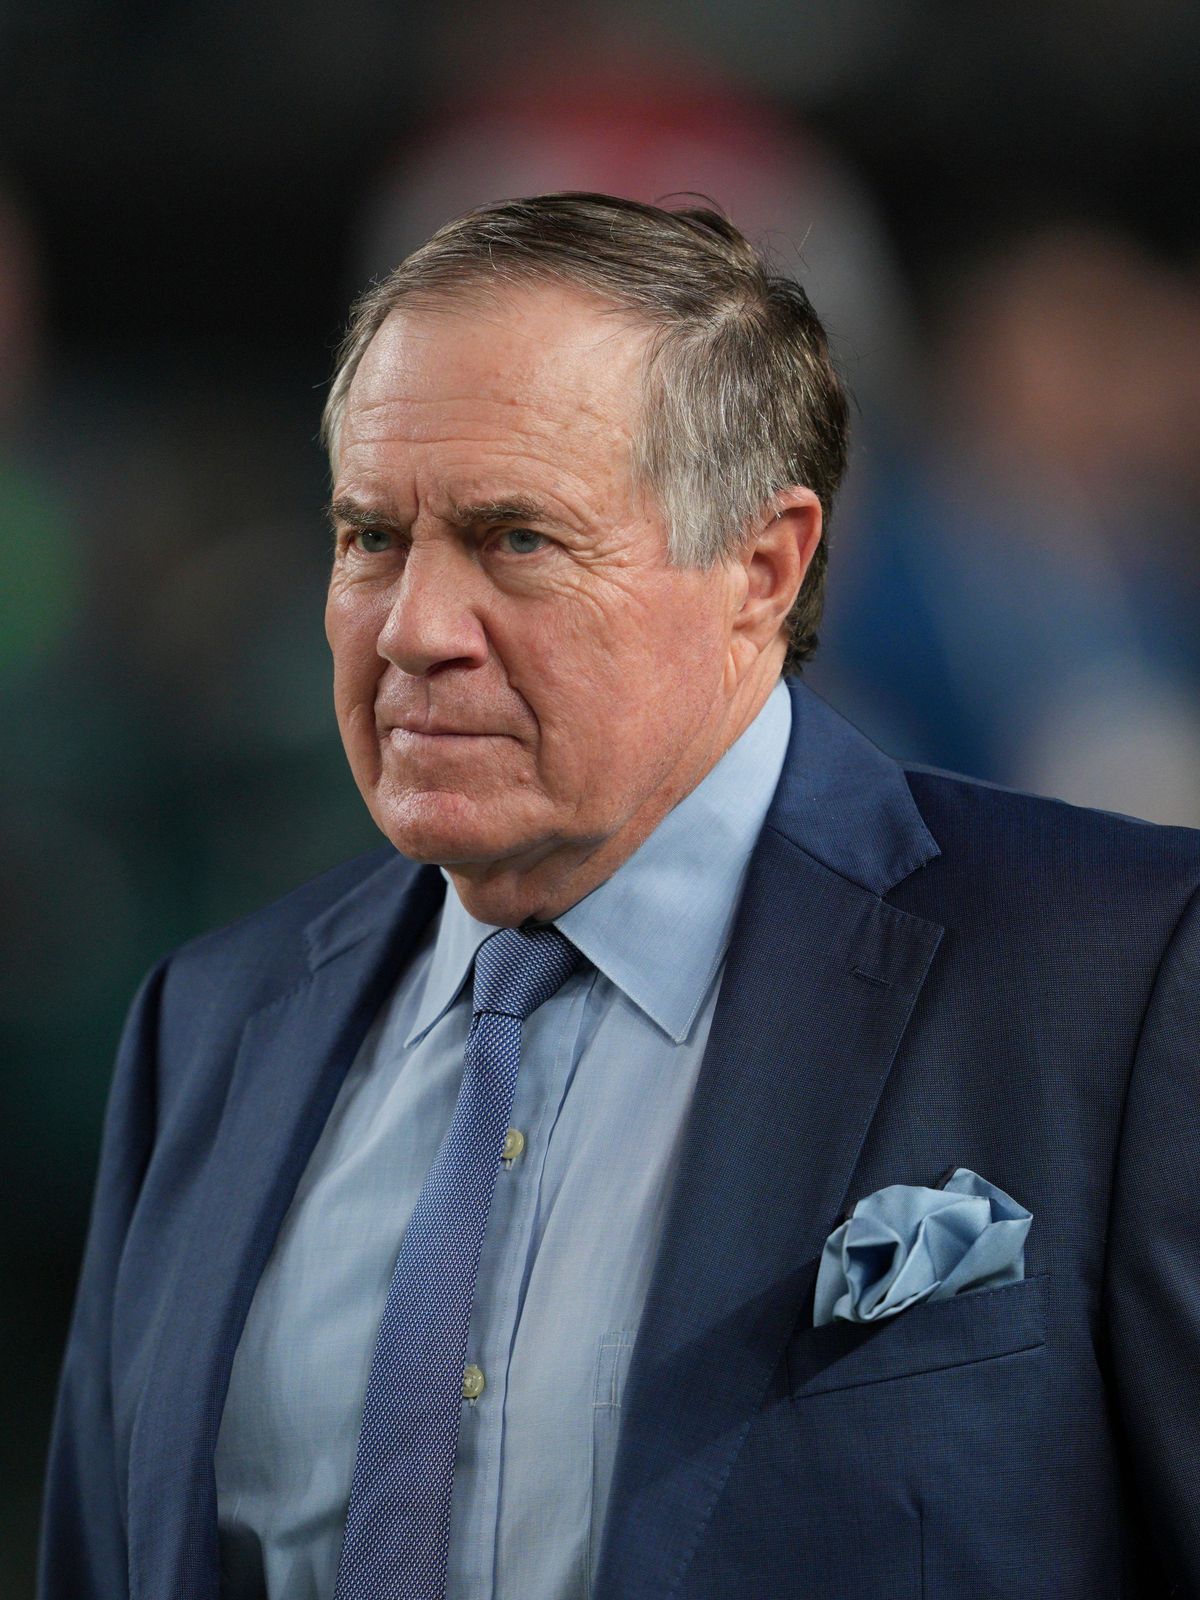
column 447, row 828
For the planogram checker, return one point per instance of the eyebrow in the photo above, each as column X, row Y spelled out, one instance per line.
column 512, row 508
column 354, row 515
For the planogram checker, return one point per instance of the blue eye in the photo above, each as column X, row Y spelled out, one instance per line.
column 372, row 540
column 523, row 541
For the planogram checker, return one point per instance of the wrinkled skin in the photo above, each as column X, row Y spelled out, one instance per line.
column 524, row 685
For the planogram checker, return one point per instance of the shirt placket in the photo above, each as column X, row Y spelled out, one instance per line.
column 549, row 1047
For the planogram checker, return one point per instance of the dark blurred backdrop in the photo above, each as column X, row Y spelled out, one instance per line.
column 992, row 206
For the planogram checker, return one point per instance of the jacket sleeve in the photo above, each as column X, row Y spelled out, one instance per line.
column 1153, row 1268
column 83, row 1542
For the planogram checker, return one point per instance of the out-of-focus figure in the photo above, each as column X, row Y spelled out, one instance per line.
column 1027, row 580
column 646, row 126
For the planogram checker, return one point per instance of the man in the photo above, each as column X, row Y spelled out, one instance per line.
column 458, row 1230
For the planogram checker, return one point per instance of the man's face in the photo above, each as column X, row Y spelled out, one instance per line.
column 522, row 680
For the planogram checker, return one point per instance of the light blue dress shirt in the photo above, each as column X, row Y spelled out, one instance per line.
column 608, row 1066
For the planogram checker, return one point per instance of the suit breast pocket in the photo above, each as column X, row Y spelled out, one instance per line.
column 980, row 1325
column 936, row 1454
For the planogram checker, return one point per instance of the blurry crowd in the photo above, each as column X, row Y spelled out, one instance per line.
column 1013, row 592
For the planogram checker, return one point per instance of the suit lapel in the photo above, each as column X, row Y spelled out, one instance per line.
column 293, row 1056
column 820, row 979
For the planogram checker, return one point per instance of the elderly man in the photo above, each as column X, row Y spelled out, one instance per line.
column 697, row 1157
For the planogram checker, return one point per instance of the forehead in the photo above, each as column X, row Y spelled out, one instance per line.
column 547, row 365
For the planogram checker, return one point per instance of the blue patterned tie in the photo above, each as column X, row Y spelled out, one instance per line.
column 398, row 1522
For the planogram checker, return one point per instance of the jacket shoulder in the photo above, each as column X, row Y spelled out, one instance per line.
column 268, row 943
column 1051, row 858
column 946, row 794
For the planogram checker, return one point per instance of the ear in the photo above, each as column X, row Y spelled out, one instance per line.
column 775, row 559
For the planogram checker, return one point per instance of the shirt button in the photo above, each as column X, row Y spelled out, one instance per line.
column 514, row 1143
column 473, row 1383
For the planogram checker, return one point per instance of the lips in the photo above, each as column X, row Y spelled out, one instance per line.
column 445, row 722
column 436, row 730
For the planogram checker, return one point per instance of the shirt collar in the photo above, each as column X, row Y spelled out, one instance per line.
column 659, row 927
column 459, row 936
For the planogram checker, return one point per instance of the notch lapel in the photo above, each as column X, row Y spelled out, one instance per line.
column 820, row 980
column 293, row 1056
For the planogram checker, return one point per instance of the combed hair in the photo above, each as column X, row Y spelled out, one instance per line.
column 741, row 399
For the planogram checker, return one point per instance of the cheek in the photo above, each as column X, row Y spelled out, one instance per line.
column 616, row 689
column 670, row 687
column 568, row 660
column 352, row 631
column 673, row 649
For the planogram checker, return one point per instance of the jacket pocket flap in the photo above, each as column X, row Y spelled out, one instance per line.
column 974, row 1326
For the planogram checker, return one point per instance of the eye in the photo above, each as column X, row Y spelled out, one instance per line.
column 523, row 541
column 371, row 541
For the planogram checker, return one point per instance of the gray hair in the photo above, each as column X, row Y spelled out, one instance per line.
column 741, row 399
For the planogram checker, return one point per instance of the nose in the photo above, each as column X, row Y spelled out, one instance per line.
column 432, row 622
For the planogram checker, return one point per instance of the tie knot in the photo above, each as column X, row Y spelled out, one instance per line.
column 518, row 969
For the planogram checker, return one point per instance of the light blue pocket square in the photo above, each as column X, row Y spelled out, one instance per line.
column 906, row 1243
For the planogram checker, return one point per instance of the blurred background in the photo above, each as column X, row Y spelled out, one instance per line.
column 988, row 205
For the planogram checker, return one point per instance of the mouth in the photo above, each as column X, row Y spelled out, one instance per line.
column 403, row 735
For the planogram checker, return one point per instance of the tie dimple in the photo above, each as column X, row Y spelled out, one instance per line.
column 396, row 1540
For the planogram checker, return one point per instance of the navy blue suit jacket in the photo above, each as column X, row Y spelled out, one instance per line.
column 926, row 972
